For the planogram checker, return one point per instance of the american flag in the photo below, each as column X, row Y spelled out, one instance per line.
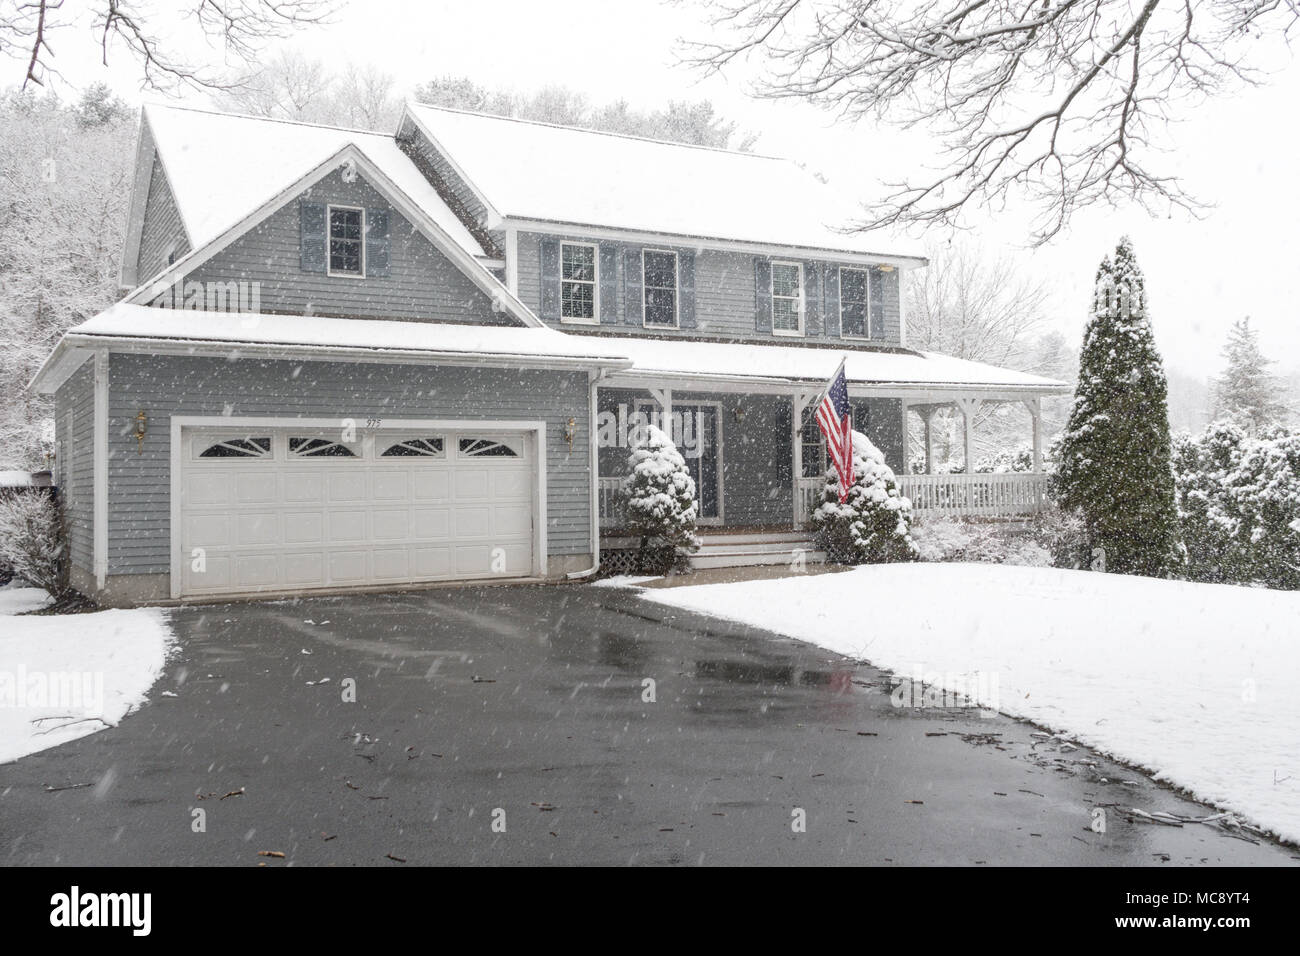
column 836, row 422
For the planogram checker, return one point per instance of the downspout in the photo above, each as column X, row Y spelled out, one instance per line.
column 594, row 451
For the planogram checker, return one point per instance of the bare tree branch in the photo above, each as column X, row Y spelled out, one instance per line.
column 242, row 27
column 1058, row 102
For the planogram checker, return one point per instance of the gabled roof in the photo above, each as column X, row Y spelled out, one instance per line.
column 222, row 166
column 523, row 170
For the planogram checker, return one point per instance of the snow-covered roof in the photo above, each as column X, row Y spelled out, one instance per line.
column 558, row 174
column 665, row 358
column 631, row 359
column 268, row 335
column 223, row 166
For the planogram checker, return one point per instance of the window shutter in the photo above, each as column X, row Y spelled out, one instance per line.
column 550, row 267
column 686, row 290
column 831, row 301
column 311, row 238
column 763, row 296
column 812, row 299
column 608, row 276
column 785, row 448
column 876, row 305
column 634, row 307
column 378, row 242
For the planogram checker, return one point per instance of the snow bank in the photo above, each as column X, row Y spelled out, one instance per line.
column 69, row 675
column 1198, row 682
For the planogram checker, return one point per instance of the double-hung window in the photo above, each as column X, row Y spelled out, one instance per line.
column 659, row 270
column 854, row 318
column 346, row 241
column 578, row 284
column 787, row 298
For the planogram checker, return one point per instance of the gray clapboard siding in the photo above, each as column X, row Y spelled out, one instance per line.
column 162, row 231
column 459, row 189
column 77, row 469
column 139, row 484
column 724, row 295
column 421, row 285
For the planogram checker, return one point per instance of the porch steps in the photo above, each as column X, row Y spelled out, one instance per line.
column 739, row 550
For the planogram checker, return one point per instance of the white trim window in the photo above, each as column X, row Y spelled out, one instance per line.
column 579, row 283
column 855, row 309
column 787, row 298
column 659, row 288
column 347, row 244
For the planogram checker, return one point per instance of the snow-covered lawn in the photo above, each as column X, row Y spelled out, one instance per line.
column 64, row 676
column 1200, row 683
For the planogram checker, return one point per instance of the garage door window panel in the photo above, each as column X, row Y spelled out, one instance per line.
column 416, row 448
column 234, row 448
column 319, row 448
column 486, row 448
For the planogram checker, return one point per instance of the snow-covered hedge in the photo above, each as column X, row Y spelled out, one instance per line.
column 33, row 545
column 1239, row 506
column 959, row 539
column 873, row 525
column 659, row 496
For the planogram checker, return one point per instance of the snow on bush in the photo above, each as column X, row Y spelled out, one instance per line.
column 659, row 494
column 1239, row 506
column 958, row 539
column 873, row 525
column 32, row 542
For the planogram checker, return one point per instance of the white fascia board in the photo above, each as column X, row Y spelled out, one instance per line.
column 494, row 217
column 58, row 367
column 464, row 260
column 553, row 227
column 326, row 353
column 771, row 385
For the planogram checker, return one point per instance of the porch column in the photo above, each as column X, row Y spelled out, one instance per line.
column 927, row 417
column 1035, row 406
column 798, row 404
column 664, row 396
column 968, row 406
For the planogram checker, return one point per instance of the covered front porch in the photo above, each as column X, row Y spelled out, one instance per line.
column 759, row 460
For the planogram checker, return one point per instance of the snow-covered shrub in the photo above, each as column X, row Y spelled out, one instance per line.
column 1063, row 535
column 873, row 525
column 659, row 495
column 960, row 539
column 1239, row 506
column 32, row 541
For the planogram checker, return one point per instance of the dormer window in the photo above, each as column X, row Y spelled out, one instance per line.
column 578, row 287
column 787, row 298
column 660, row 290
column 347, row 247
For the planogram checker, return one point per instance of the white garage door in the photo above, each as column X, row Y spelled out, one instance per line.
column 292, row 509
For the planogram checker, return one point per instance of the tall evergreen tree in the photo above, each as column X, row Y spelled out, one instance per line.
column 1246, row 394
column 1115, row 460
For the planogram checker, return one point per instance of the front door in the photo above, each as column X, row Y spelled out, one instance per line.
column 697, row 433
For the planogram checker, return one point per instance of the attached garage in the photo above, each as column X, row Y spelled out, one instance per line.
column 265, row 506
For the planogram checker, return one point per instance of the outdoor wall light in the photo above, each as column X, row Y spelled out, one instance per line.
column 140, row 421
column 570, row 431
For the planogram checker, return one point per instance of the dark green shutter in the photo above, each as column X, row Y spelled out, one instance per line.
column 550, row 266
column 831, row 302
column 763, row 296
column 378, row 242
column 812, row 299
column 608, row 283
column 311, row 237
column 686, row 290
column 634, row 307
column 876, row 294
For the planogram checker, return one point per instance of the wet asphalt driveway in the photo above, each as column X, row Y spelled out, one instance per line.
column 524, row 706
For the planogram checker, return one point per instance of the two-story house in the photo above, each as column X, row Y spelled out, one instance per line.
column 356, row 360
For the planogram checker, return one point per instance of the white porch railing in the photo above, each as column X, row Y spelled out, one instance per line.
column 807, row 497
column 1012, row 493
column 611, row 503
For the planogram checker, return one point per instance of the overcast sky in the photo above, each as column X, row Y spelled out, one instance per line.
column 1241, row 153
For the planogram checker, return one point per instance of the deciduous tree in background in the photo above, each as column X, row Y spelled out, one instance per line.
column 1061, row 103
